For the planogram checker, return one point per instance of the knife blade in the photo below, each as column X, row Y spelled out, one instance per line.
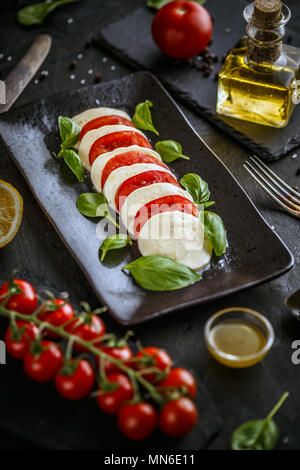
column 21, row 75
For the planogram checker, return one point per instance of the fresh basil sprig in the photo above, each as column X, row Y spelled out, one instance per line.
column 215, row 232
column 115, row 242
column 170, row 150
column 196, row 186
column 159, row 273
column 142, row 118
column 69, row 133
column 36, row 14
column 160, row 3
column 94, row 205
column 259, row 434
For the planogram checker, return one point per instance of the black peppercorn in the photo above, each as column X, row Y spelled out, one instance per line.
column 97, row 78
column 73, row 65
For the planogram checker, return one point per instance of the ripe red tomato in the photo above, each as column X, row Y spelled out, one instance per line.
column 154, row 357
column 92, row 327
column 112, row 401
column 112, row 141
column 18, row 342
column 137, row 421
column 180, row 377
column 57, row 317
column 178, row 417
column 43, row 365
column 123, row 353
column 75, row 380
column 182, row 29
column 23, row 303
column 112, row 120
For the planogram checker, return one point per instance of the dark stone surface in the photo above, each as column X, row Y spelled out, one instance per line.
column 29, row 135
column 190, row 85
column 38, row 252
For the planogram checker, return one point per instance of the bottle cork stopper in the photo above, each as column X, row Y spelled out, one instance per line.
column 267, row 10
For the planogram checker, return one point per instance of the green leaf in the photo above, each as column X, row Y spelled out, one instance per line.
column 94, row 205
column 197, row 187
column 142, row 117
column 115, row 242
column 35, row 14
column 159, row 273
column 74, row 163
column 169, row 150
column 69, row 131
column 208, row 204
column 259, row 434
column 215, row 232
column 160, row 3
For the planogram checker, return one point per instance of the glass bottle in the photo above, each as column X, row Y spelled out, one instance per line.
column 258, row 81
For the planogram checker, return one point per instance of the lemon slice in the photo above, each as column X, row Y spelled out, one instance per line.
column 11, row 210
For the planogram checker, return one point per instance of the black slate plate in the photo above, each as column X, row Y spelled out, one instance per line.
column 255, row 252
column 130, row 39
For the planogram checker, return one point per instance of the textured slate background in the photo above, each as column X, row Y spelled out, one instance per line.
column 39, row 254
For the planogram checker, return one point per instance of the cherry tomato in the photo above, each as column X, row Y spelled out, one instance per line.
column 57, row 317
column 154, row 357
column 127, row 159
column 92, row 327
column 139, row 181
column 180, row 377
column 76, row 379
column 182, row 29
column 122, row 353
column 112, row 120
column 18, row 342
column 112, row 401
column 178, row 417
column 112, row 141
column 137, row 421
column 23, row 303
column 162, row 204
column 44, row 364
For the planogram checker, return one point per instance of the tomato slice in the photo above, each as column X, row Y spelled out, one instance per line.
column 112, row 141
column 162, row 204
column 127, row 159
column 112, row 120
column 139, row 181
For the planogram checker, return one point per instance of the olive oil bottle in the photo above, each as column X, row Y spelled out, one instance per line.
column 260, row 79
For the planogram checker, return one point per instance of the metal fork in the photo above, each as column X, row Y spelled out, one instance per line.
column 286, row 196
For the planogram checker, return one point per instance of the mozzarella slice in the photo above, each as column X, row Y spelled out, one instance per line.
column 178, row 236
column 93, row 113
column 90, row 137
column 100, row 162
column 142, row 196
column 118, row 176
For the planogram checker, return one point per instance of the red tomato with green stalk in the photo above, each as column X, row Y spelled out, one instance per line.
column 177, row 378
column 117, row 349
column 23, row 302
column 153, row 357
column 88, row 327
column 57, row 313
column 75, row 380
column 113, row 392
column 178, row 417
column 43, row 360
column 182, row 29
column 137, row 420
column 19, row 336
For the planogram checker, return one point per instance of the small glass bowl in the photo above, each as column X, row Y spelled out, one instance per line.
column 249, row 316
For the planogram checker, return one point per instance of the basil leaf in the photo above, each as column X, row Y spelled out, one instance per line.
column 215, row 232
column 69, row 131
column 160, row 3
column 159, row 273
column 35, row 14
column 169, row 150
column 94, row 205
column 74, row 163
column 142, row 117
column 115, row 242
column 196, row 186
column 260, row 434
column 208, row 204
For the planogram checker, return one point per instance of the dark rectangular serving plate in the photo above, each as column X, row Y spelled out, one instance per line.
column 255, row 252
column 129, row 38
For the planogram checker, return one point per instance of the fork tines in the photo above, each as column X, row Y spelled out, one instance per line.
column 286, row 196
